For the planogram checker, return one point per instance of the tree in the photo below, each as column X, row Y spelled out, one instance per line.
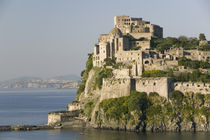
column 138, row 101
column 176, row 96
column 202, row 36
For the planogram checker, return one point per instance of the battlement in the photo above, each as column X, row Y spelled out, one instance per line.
column 126, row 41
column 137, row 26
column 184, row 87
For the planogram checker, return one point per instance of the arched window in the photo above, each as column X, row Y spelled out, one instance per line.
column 147, row 30
column 146, row 62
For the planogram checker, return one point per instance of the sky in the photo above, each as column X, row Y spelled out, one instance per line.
column 45, row 38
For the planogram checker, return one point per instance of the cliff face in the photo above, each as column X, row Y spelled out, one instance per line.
column 106, row 100
column 138, row 111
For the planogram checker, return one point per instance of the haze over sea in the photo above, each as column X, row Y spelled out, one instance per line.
column 31, row 106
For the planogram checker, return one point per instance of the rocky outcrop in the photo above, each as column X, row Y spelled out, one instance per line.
column 102, row 106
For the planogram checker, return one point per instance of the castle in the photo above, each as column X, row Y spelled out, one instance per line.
column 127, row 34
column 129, row 42
column 130, row 45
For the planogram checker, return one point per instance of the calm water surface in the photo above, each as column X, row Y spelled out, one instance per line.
column 30, row 106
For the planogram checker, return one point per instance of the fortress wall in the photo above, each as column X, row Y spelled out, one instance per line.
column 197, row 55
column 144, row 44
column 203, row 88
column 159, row 85
column 121, row 73
column 58, row 117
column 131, row 56
column 140, row 35
column 53, row 119
column 126, row 56
column 114, row 88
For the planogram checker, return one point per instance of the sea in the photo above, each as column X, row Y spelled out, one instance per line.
column 31, row 106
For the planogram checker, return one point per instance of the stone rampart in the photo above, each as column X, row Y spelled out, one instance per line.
column 203, row 88
column 61, row 116
column 162, row 85
column 115, row 88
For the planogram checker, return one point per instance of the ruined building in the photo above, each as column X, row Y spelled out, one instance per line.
column 127, row 35
column 129, row 42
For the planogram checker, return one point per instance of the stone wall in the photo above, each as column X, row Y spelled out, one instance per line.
column 197, row 55
column 143, row 44
column 161, row 85
column 134, row 58
column 75, row 105
column 121, row 73
column 61, row 116
column 203, row 88
column 115, row 88
column 54, row 118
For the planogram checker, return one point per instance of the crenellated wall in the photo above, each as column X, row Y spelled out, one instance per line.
column 114, row 88
column 203, row 88
column 162, row 85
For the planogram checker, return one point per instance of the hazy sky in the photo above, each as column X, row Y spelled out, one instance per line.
column 53, row 37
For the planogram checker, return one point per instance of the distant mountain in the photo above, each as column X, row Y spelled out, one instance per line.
column 66, row 81
column 67, row 77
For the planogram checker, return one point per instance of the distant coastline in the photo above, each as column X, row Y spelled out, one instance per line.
column 71, row 81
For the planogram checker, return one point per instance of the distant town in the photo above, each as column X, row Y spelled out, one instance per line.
column 34, row 82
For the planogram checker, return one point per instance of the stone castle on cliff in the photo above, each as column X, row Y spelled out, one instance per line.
column 130, row 45
column 130, row 42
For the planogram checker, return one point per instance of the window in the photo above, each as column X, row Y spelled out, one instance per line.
column 147, row 30
column 146, row 62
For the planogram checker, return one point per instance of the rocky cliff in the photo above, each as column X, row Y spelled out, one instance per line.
column 132, row 110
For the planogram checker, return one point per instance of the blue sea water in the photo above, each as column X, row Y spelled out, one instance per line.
column 31, row 106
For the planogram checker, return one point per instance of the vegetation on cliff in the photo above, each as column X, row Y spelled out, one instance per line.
column 195, row 76
column 155, row 113
column 162, row 44
column 84, row 75
column 195, row 64
column 99, row 74
column 172, row 42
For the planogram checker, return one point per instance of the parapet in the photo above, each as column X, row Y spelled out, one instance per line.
column 197, row 87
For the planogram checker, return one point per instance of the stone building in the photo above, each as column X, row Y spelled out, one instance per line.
column 129, row 42
column 137, row 27
column 126, row 41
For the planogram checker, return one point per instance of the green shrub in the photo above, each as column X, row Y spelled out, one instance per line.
column 154, row 73
column 137, row 101
column 195, row 64
column 136, row 48
column 120, row 108
column 162, row 44
column 104, row 73
column 153, row 94
column 115, row 108
column 204, row 47
column 89, row 108
column 110, row 61
column 84, row 75
column 202, row 36
column 195, row 76
column 176, row 96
